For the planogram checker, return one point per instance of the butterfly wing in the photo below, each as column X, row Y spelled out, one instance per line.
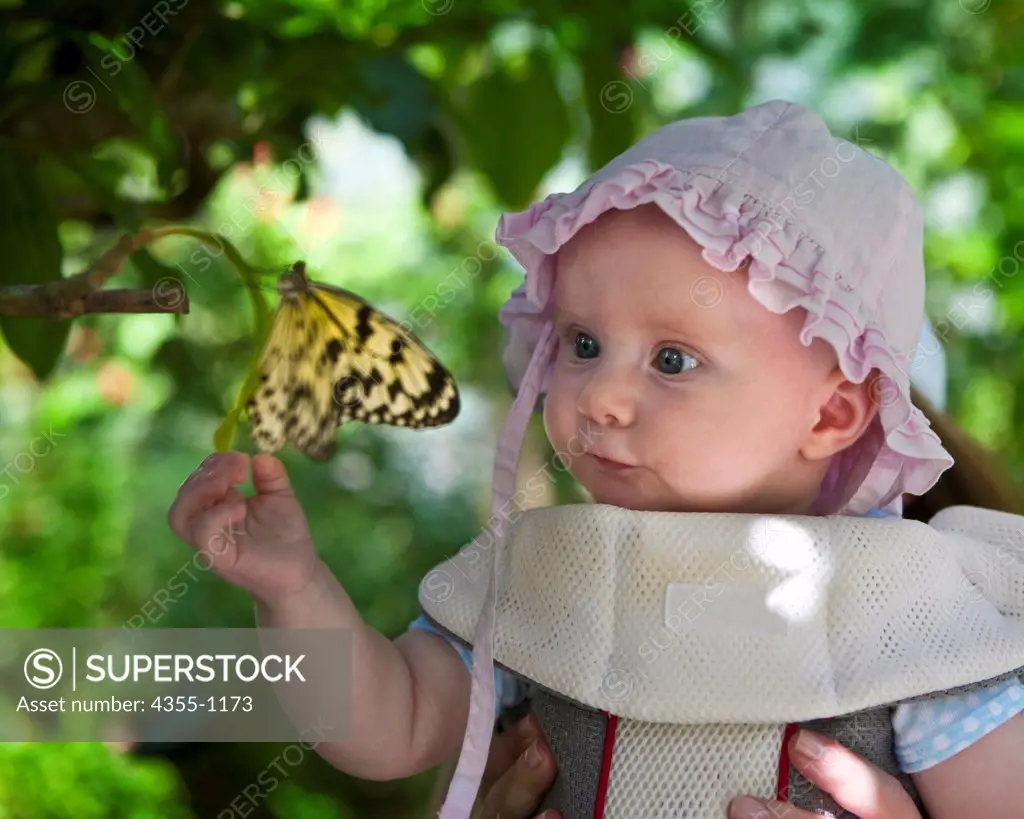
column 383, row 374
column 293, row 403
column 331, row 358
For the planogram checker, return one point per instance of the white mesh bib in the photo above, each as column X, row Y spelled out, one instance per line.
column 730, row 618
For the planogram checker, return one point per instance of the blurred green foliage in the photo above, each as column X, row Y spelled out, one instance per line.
column 85, row 781
column 225, row 115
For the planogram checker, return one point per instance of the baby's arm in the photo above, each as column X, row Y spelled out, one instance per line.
column 985, row 780
column 409, row 699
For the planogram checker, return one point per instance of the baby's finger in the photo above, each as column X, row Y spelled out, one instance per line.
column 215, row 533
column 269, row 476
column 205, row 487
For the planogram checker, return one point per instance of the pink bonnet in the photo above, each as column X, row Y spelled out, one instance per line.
column 826, row 226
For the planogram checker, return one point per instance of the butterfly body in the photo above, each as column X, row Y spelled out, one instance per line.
column 330, row 357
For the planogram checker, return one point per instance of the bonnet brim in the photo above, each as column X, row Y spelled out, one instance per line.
column 787, row 269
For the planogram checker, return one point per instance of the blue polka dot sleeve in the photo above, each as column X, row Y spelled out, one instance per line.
column 507, row 689
column 930, row 731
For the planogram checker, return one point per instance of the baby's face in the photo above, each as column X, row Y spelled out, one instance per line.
column 668, row 366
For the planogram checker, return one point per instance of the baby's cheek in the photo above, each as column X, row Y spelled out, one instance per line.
column 714, row 461
column 704, row 471
column 554, row 423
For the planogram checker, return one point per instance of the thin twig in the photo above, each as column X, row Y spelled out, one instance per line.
column 96, row 275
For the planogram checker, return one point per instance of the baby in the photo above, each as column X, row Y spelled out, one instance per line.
column 712, row 357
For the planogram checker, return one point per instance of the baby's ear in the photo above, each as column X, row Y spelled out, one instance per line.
column 845, row 414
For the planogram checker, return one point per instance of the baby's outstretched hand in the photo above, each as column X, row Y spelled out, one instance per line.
column 260, row 543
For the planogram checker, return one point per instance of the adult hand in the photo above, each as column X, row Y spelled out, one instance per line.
column 858, row 786
column 520, row 769
column 512, row 788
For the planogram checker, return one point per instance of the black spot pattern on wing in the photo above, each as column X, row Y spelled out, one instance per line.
column 331, row 358
column 332, row 352
column 363, row 328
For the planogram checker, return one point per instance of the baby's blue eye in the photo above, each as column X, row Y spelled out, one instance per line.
column 672, row 361
column 586, row 346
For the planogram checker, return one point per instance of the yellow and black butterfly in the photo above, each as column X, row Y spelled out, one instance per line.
column 330, row 358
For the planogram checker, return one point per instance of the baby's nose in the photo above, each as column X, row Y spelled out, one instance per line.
column 608, row 399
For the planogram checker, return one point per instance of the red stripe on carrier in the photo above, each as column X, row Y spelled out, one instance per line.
column 606, row 764
column 782, row 790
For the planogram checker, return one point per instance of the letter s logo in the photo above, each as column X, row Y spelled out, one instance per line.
column 39, row 668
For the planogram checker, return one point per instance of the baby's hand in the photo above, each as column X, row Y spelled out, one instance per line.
column 260, row 543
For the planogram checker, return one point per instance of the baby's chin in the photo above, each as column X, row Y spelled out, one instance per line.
column 644, row 490
column 633, row 494
column 629, row 497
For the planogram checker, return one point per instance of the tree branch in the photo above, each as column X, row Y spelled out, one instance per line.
column 55, row 301
column 81, row 293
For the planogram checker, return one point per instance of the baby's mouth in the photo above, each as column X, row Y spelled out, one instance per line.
column 607, row 463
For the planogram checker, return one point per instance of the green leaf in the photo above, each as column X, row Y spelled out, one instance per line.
column 394, row 98
column 516, row 126
column 610, row 105
column 188, row 364
column 32, row 255
column 102, row 177
column 436, row 161
column 889, row 32
column 117, row 72
column 225, row 433
column 25, row 51
column 1005, row 125
column 158, row 277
